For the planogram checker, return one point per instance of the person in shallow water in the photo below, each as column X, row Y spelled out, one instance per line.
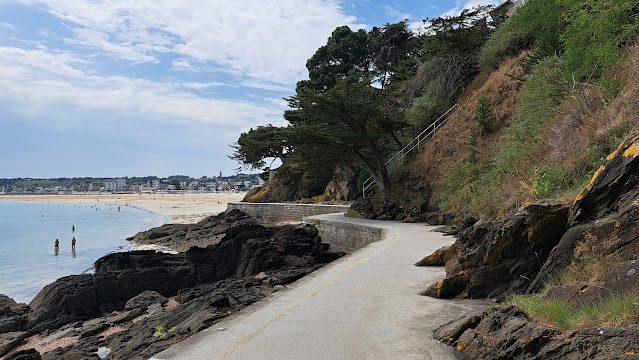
column 72, row 228
column 56, row 247
column 73, row 243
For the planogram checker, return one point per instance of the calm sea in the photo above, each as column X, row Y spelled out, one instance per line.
column 28, row 230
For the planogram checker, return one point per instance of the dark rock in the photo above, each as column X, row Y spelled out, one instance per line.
column 181, row 237
column 121, row 276
column 507, row 333
column 449, row 333
column 378, row 208
column 126, row 315
column 13, row 316
column 501, row 257
column 68, row 299
column 440, row 257
column 28, row 354
column 145, row 299
column 9, row 340
column 604, row 217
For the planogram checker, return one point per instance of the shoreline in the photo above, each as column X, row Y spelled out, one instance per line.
column 177, row 208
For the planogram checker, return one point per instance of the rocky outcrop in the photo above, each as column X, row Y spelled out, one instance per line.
column 68, row 299
column 440, row 257
column 604, row 218
column 501, row 257
column 377, row 208
column 343, row 185
column 181, row 237
column 138, row 303
column 290, row 182
column 505, row 332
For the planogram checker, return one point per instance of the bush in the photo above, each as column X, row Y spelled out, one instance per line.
column 538, row 25
column 425, row 110
column 549, row 180
column 596, row 32
column 485, row 116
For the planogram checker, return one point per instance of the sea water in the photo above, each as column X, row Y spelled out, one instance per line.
column 28, row 230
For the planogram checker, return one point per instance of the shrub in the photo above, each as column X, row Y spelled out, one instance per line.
column 548, row 180
column 425, row 110
column 485, row 116
column 538, row 25
column 596, row 32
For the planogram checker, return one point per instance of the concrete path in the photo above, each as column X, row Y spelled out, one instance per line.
column 363, row 306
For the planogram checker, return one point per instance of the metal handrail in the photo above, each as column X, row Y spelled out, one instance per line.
column 415, row 143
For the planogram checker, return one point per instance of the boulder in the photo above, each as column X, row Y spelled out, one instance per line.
column 145, row 299
column 505, row 332
column 501, row 257
column 380, row 208
column 440, row 257
column 28, row 354
column 343, row 185
column 181, row 237
column 13, row 316
column 68, row 299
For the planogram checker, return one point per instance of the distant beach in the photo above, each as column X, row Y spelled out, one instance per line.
column 181, row 208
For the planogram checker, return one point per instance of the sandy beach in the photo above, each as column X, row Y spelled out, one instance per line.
column 181, row 208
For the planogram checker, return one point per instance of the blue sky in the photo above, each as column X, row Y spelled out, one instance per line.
column 151, row 87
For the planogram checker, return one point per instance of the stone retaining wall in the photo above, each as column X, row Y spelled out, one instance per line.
column 273, row 213
column 345, row 236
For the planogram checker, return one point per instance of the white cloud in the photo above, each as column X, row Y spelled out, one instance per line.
column 264, row 40
column 37, row 80
column 7, row 25
column 468, row 4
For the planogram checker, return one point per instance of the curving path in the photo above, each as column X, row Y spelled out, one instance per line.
column 363, row 306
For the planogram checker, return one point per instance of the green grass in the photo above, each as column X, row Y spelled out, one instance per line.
column 616, row 311
column 474, row 188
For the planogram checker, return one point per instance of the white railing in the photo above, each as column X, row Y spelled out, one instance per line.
column 414, row 144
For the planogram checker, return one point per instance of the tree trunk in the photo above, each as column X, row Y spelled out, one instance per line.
column 380, row 175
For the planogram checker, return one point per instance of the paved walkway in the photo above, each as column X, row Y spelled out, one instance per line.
column 363, row 306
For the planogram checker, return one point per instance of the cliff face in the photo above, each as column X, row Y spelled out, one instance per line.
column 588, row 259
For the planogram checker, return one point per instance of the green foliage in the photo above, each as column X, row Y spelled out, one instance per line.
column 485, row 115
column 548, row 180
column 261, row 143
column 426, row 109
column 537, row 25
column 596, row 32
column 475, row 188
column 620, row 310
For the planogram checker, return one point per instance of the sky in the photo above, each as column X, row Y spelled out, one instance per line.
column 160, row 87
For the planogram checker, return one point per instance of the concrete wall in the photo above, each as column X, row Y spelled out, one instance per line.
column 273, row 213
column 345, row 236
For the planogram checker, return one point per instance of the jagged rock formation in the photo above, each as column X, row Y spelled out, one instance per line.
column 604, row 217
column 500, row 257
column 508, row 333
column 602, row 223
column 138, row 303
column 181, row 237
column 343, row 185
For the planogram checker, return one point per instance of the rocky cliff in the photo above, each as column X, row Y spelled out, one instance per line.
column 575, row 256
